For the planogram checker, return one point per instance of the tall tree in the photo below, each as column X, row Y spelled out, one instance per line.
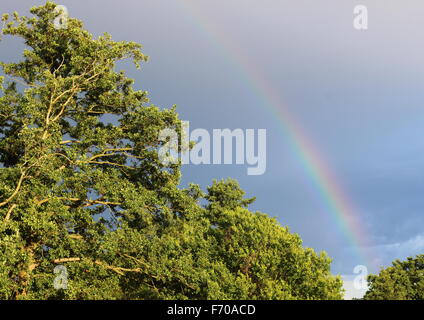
column 404, row 280
column 82, row 186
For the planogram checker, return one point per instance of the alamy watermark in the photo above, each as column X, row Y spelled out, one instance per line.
column 360, row 17
column 61, row 21
column 61, row 280
column 360, row 281
column 248, row 146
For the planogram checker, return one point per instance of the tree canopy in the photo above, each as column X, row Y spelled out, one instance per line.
column 81, row 185
column 404, row 280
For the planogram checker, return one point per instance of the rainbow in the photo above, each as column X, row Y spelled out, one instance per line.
column 315, row 167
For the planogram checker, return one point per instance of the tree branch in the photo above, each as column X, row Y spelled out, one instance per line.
column 18, row 187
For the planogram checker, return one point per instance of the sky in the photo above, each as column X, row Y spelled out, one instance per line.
column 356, row 95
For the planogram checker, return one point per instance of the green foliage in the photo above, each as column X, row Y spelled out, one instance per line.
column 404, row 280
column 92, row 195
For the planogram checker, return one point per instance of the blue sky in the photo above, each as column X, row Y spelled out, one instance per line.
column 357, row 94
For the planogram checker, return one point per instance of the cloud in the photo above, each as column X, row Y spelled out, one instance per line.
column 399, row 250
column 385, row 254
column 411, row 246
column 352, row 290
